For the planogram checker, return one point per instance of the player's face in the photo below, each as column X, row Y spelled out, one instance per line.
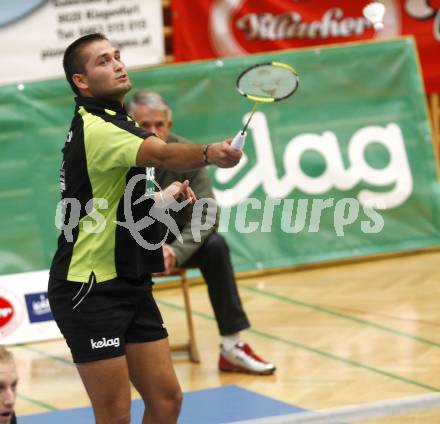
column 8, row 391
column 105, row 75
column 153, row 120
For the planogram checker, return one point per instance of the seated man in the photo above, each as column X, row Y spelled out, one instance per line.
column 210, row 255
column 8, row 387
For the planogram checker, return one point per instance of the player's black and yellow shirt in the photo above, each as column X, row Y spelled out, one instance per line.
column 99, row 159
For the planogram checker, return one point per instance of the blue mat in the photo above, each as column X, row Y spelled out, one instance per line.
column 211, row 406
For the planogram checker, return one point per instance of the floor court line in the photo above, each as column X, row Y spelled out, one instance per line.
column 339, row 315
column 381, row 314
column 37, row 402
column 316, row 351
column 45, row 354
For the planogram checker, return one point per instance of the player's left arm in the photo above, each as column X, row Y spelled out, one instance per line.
column 202, row 187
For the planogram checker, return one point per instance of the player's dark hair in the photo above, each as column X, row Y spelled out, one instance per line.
column 74, row 61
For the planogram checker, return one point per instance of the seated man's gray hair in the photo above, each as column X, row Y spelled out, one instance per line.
column 150, row 99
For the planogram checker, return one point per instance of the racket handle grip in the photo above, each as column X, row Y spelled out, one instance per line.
column 238, row 140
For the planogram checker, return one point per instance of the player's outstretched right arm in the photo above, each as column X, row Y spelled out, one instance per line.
column 155, row 152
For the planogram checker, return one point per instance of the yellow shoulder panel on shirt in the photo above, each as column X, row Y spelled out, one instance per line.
column 108, row 145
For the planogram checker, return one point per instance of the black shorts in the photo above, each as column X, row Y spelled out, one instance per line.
column 111, row 314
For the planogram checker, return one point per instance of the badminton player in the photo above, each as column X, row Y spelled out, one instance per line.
column 100, row 277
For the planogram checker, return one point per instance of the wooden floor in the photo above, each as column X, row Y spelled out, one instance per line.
column 348, row 334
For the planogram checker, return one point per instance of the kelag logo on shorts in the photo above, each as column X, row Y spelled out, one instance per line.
column 38, row 307
column 105, row 343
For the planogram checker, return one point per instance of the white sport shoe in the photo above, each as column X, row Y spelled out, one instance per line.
column 241, row 358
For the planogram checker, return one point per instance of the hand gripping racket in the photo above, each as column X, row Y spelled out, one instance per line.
column 264, row 83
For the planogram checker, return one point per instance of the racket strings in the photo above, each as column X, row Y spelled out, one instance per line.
column 268, row 82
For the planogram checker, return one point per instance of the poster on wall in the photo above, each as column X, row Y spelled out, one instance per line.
column 216, row 28
column 35, row 33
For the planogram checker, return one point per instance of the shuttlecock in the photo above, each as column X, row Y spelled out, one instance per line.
column 375, row 13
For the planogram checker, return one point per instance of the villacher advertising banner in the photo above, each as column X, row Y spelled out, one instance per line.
column 213, row 28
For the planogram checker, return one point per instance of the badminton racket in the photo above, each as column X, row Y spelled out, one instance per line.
column 264, row 83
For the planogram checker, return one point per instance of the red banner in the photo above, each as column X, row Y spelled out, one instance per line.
column 206, row 29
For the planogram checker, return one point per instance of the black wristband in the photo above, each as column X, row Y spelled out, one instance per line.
column 205, row 154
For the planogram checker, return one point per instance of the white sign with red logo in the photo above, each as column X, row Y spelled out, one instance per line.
column 24, row 309
column 11, row 312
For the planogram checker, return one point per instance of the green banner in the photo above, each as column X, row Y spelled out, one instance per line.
column 343, row 168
